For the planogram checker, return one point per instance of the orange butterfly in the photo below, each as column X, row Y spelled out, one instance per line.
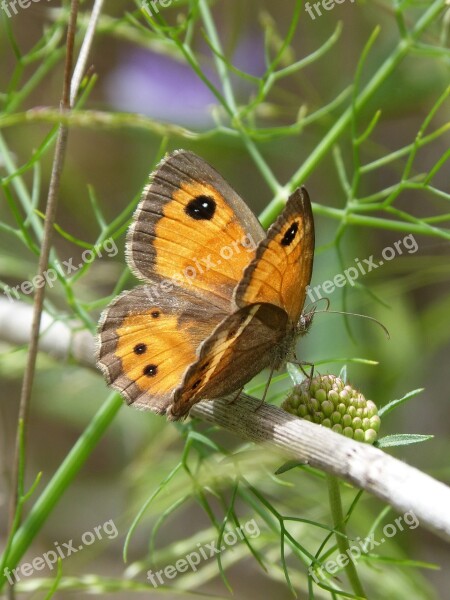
column 222, row 299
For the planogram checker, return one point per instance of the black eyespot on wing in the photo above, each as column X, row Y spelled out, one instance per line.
column 201, row 208
column 155, row 314
column 150, row 370
column 140, row 348
column 196, row 384
column 231, row 333
column 289, row 236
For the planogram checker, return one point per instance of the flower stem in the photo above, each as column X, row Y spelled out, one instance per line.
column 60, row 481
column 334, row 495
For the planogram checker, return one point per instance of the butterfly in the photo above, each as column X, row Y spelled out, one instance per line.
column 221, row 299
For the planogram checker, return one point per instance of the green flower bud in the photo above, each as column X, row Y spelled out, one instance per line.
column 303, row 411
column 375, row 422
column 327, row 407
column 370, row 436
column 358, row 435
column 333, row 396
column 321, row 394
column 366, row 424
column 345, row 396
column 357, row 423
column 313, row 404
column 347, row 420
column 328, row 401
column 336, row 417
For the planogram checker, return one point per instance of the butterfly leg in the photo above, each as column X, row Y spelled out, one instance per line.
column 301, row 364
column 266, row 389
column 233, row 400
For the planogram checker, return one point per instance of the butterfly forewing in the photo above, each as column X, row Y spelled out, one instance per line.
column 281, row 270
column 237, row 350
column 193, row 228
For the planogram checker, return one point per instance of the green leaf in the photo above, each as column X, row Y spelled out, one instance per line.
column 295, row 373
column 343, row 374
column 202, row 439
column 402, row 439
column 387, row 408
column 287, row 466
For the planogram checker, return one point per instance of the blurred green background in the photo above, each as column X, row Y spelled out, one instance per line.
column 139, row 73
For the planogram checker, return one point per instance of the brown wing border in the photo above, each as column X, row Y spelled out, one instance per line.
column 298, row 203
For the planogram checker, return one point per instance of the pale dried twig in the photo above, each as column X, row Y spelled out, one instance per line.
column 404, row 487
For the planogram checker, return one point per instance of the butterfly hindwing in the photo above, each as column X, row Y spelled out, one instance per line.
column 146, row 343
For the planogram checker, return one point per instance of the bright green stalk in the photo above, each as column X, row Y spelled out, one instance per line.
column 273, row 209
column 334, row 495
column 60, row 481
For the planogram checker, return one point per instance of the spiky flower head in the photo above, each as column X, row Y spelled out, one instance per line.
column 327, row 400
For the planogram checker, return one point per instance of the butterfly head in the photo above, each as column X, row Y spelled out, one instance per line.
column 304, row 323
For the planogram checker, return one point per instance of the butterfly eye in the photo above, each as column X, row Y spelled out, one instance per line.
column 150, row 370
column 140, row 348
column 201, row 208
column 289, row 236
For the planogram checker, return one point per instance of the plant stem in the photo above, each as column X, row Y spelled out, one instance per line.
column 334, row 495
column 61, row 481
column 231, row 102
column 321, row 150
column 50, row 215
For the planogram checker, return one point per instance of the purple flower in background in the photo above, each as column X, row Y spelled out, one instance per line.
column 168, row 90
column 249, row 55
column 161, row 88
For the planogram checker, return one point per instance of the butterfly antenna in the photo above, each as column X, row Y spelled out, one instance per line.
column 351, row 314
column 312, row 305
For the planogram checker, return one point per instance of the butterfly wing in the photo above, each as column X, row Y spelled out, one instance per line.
column 281, row 270
column 238, row 349
column 146, row 343
column 270, row 295
column 192, row 227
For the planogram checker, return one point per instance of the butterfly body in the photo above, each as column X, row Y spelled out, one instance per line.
column 222, row 299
